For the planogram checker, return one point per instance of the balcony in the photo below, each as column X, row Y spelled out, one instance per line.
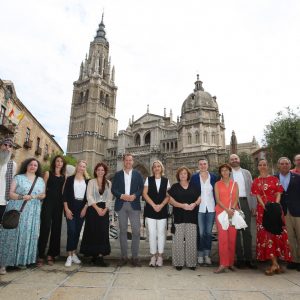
column 46, row 156
column 38, row 151
column 6, row 126
column 27, row 144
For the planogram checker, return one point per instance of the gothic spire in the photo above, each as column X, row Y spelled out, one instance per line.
column 100, row 36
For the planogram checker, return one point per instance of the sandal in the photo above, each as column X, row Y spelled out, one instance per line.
column 50, row 260
column 279, row 270
column 271, row 271
column 221, row 269
column 40, row 262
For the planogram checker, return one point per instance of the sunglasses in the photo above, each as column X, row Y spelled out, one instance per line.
column 8, row 145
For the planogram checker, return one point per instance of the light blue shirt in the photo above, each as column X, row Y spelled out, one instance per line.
column 285, row 180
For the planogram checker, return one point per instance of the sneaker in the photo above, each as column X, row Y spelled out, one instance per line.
column 75, row 259
column 200, row 260
column 159, row 261
column 68, row 262
column 152, row 261
column 207, row 260
column 3, row 271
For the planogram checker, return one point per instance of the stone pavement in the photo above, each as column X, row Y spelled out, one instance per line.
column 86, row 282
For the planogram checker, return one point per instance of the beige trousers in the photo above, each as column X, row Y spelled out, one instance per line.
column 293, row 229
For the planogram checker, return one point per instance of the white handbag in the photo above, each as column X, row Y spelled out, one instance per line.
column 223, row 216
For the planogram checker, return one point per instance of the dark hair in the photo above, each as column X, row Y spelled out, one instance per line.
column 227, row 166
column 179, row 170
column 261, row 160
column 104, row 181
column 52, row 165
column 26, row 162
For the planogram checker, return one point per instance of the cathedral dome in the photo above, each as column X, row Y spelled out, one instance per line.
column 198, row 99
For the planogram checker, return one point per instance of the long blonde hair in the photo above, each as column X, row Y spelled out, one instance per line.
column 85, row 174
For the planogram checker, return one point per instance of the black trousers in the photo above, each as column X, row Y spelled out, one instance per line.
column 51, row 220
column 244, row 237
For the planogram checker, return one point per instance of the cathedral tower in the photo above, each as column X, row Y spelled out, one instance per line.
column 93, row 126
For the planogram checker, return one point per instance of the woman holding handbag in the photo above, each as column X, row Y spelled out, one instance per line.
column 227, row 194
column 18, row 247
column 269, row 246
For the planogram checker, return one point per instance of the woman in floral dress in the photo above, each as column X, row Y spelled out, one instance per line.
column 269, row 246
column 18, row 247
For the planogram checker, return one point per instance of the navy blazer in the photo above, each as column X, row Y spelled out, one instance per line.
column 290, row 199
column 136, row 188
column 68, row 193
column 195, row 181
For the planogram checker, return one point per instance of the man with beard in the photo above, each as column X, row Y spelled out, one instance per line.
column 247, row 204
column 7, row 171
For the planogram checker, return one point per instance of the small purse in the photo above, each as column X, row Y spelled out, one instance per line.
column 11, row 218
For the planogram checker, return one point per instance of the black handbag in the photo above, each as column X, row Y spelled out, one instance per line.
column 11, row 218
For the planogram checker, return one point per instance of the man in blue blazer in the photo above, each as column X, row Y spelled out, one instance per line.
column 127, row 187
column 290, row 201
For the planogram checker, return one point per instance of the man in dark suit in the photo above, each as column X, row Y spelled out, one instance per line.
column 127, row 187
column 290, row 201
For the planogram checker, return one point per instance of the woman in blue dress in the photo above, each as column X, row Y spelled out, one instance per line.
column 18, row 247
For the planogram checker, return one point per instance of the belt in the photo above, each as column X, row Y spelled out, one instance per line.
column 243, row 198
column 79, row 199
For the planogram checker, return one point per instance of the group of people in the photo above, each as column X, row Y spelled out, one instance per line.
column 197, row 200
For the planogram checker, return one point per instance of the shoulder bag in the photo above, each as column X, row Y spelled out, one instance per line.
column 11, row 218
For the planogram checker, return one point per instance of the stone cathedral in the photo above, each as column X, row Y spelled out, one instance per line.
column 198, row 132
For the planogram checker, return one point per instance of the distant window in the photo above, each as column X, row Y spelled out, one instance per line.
column 205, row 137
column 189, row 138
column 86, row 97
column 46, row 149
column 2, row 114
column 137, row 140
column 213, row 138
column 38, row 141
column 148, row 138
column 27, row 135
column 197, row 137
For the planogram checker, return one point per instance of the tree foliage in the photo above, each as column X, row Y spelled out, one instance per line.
column 246, row 162
column 282, row 135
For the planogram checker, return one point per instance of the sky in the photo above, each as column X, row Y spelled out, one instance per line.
column 247, row 54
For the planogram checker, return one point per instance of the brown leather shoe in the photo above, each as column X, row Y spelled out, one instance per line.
column 122, row 262
column 135, row 262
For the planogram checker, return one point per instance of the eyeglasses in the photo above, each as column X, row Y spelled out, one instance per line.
column 8, row 145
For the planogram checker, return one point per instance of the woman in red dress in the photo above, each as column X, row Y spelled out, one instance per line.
column 269, row 246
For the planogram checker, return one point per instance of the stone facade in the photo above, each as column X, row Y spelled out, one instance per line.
column 93, row 126
column 198, row 132
column 30, row 137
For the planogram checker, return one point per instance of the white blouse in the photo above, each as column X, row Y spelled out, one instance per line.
column 207, row 196
column 79, row 189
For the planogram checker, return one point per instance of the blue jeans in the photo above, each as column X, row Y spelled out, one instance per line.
column 205, row 223
column 74, row 227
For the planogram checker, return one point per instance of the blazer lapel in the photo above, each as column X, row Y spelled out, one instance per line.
column 132, row 182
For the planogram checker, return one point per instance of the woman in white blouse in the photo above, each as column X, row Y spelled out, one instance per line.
column 75, row 206
column 95, row 240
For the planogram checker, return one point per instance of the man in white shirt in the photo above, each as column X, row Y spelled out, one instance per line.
column 247, row 204
column 127, row 187
column 7, row 171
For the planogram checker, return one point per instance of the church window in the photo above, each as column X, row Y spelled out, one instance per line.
column 101, row 96
column 168, row 147
column 164, row 147
column 81, row 98
column 197, row 137
column 106, row 99
column 137, row 140
column 148, row 138
column 172, row 146
column 189, row 138
column 86, row 96
column 175, row 145
column 213, row 138
column 205, row 139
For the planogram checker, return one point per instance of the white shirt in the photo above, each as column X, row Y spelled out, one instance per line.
column 127, row 180
column 157, row 182
column 3, row 170
column 79, row 188
column 207, row 196
column 239, row 178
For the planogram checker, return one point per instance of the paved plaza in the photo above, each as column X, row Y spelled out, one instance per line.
column 88, row 282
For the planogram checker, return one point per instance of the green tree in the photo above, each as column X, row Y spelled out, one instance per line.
column 282, row 135
column 247, row 162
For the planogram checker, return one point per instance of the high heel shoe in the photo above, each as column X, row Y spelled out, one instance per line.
column 279, row 270
column 221, row 269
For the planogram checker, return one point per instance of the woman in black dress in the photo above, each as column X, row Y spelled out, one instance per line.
column 51, row 213
column 95, row 240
